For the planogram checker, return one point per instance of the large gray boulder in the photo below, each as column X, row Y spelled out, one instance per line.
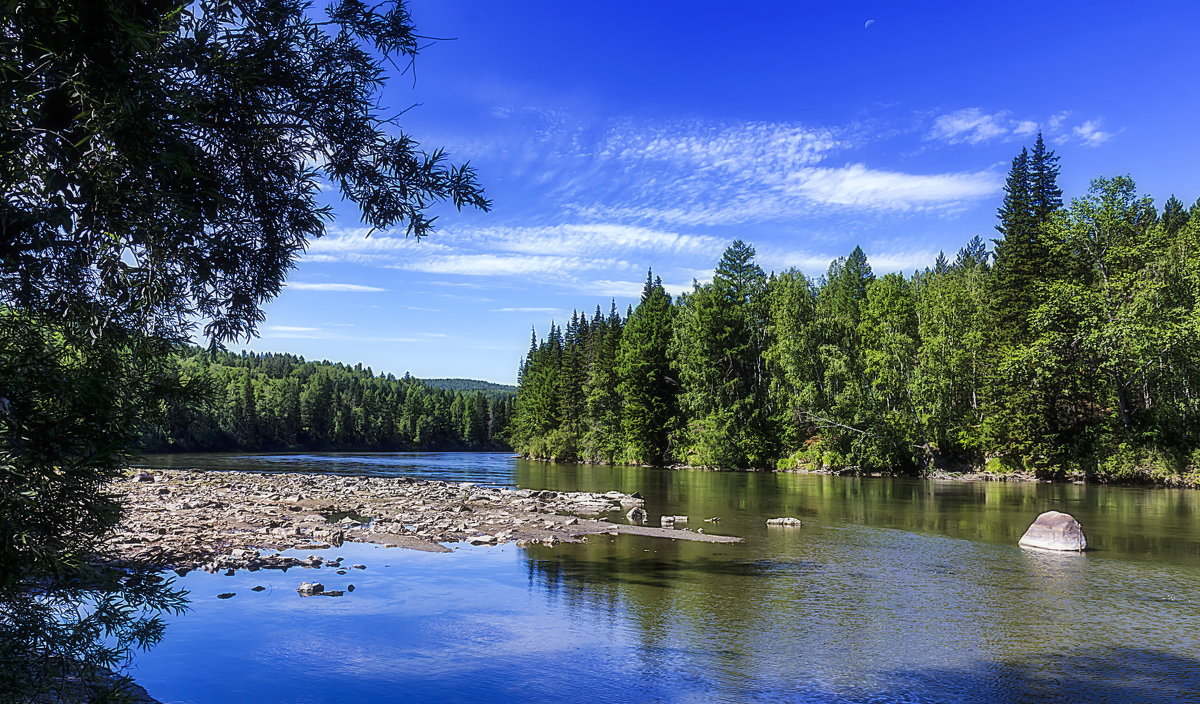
column 1054, row 530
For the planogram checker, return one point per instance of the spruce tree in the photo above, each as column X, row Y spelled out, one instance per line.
column 718, row 351
column 645, row 383
column 1020, row 421
column 1174, row 216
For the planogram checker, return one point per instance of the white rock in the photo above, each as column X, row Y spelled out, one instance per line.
column 1054, row 530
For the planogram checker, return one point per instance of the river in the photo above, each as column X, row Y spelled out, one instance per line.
column 894, row 590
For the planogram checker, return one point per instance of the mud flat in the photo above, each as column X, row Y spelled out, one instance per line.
column 220, row 521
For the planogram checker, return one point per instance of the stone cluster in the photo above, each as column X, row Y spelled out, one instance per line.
column 222, row 521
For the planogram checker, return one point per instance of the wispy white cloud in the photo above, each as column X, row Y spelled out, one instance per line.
column 496, row 264
column 290, row 328
column 460, row 284
column 357, row 288
column 857, row 185
column 974, row 126
column 729, row 147
column 694, row 174
column 1090, row 134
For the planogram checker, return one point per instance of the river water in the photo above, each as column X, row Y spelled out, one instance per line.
column 894, row 590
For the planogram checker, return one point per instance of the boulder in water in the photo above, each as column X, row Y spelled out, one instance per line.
column 1054, row 530
column 637, row 514
column 310, row 588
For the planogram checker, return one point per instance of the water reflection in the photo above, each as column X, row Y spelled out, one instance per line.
column 892, row 591
column 64, row 640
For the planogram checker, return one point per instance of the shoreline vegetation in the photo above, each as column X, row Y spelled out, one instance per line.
column 1176, row 481
column 1068, row 351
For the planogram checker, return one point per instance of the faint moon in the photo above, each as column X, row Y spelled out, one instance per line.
column 868, row 24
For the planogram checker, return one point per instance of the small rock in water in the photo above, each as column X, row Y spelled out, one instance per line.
column 1054, row 530
column 350, row 588
column 637, row 514
column 227, row 595
column 257, row 588
column 667, row 521
column 714, row 519
column 359, row 567
column 341, row 572
column 143, row 476
column 784, row 521
column 681, row 519
column 332, row 592
column 310, row 588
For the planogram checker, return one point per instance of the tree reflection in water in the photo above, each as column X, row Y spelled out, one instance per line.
column 67, row 639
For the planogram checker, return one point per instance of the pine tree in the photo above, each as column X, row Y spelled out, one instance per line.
column 794, row 360
column 1020, row 420
column 1174, row 216
column 717, row 350
column 644, row 379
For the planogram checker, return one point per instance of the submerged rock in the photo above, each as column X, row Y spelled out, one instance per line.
column 1054, row 530
column 637, row 514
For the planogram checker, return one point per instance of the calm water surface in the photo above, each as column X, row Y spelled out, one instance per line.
column 894, row 590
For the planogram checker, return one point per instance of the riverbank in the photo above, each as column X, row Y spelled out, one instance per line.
column 1130, row 476
column 221, row 520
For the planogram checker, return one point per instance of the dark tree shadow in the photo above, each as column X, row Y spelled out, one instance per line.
column 66, row 639
column 1107, row 675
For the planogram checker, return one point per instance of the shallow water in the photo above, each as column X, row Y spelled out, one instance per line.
column 894, row 590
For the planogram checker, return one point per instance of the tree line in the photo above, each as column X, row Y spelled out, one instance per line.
column 269, row 401
column 1069, row 347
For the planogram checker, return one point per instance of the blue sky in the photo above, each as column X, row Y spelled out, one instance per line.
column 618, row 136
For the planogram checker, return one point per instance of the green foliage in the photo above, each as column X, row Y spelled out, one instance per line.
column 70, row 408
column 269, row 401
column 1076, row 348
column 717, row 352
column 645, row 385
column 160, row 163
column 63, row 641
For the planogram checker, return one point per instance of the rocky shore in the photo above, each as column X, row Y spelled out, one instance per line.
column 220, row 521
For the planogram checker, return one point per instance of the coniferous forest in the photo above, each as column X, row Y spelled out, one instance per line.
column 269, row 401
column 1065, row 346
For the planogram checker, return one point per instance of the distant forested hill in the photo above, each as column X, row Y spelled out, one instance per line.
column 269, row 401
column 488, row 388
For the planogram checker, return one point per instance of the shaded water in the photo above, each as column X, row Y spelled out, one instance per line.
column 894, row 590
